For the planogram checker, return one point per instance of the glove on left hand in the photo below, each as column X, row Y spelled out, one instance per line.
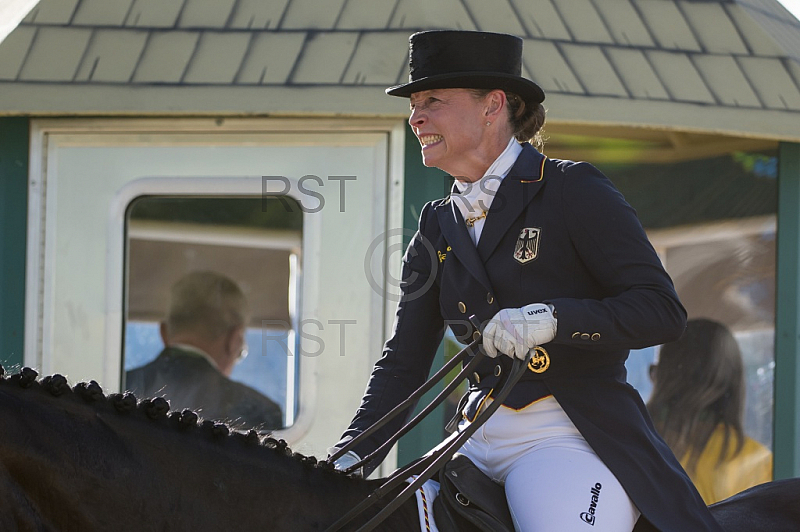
column 347, row 460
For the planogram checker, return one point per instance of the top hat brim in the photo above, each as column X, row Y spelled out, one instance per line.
column 526, row 89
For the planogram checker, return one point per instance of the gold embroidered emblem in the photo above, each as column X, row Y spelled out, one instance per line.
column 527, row 247
column 443, row 256
column 539, row 361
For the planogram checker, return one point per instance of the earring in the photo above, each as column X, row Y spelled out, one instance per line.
column 488, row 123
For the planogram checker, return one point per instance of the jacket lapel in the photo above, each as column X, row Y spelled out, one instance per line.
column 455, row 232
column 518, row 188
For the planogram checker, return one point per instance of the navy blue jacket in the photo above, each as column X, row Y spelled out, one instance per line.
column 557, row 232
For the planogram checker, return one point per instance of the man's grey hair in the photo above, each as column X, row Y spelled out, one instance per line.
column 206, row 303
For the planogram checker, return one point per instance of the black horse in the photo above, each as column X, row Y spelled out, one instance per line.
column 75, row 459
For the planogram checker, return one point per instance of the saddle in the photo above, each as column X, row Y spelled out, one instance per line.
column 469, row 501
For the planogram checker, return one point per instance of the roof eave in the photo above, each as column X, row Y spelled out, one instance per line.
column 36, row 99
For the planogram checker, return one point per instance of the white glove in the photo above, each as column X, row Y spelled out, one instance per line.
column 515, row 331
column 347, row 460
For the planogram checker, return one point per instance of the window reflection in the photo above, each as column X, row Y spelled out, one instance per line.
column 697, row 404
column 712, row 221
column 256, row 249
column 728, row 274
column 264, row 369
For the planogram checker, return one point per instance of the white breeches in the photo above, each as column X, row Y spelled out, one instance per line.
column 554, row 481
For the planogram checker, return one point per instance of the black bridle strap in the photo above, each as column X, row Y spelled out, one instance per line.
column 444, row 453
column 422, row 390
column 431, row 462
column 465, row 371
column 396, row 479
column 399, row 476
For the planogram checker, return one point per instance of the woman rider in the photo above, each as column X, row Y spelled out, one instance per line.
column 548, row 256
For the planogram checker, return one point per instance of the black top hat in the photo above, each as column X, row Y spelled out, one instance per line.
column 445, row 59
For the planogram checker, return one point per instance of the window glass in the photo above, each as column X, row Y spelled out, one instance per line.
column 728, row 186
column 212, row 286
column 712, row 221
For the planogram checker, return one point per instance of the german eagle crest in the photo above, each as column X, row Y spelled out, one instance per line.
column 527, row 247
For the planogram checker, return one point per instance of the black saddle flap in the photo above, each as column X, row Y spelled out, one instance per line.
column 474, row 496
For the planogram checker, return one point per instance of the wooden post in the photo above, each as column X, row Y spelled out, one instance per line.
column 787, row 320
column 14, row 140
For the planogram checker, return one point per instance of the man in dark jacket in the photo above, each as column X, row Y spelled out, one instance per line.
column 204, row 339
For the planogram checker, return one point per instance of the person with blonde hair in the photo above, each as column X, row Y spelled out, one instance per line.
column 203, row 336
column 697, row 405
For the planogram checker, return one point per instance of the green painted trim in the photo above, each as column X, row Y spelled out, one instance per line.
column 421, row 186
column 14, row 141
column 787, row 322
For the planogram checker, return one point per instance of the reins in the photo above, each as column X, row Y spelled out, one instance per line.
column 430, row 463
column 430, row 383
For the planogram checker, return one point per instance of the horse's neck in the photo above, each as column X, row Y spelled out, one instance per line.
column 69, row 463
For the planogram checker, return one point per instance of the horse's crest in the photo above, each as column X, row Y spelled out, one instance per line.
column 73, row 458
column 155, row 408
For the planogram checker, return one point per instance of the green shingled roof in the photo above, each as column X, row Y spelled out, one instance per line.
column 721, row 65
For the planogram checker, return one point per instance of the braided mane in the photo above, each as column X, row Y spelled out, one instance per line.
column 72, row 458
column 156, row 409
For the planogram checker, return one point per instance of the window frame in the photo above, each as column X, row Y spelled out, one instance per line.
column 318, row 421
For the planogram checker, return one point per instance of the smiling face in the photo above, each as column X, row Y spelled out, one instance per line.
column 451, row 127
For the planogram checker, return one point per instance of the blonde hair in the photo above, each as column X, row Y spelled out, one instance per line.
column 206, row 303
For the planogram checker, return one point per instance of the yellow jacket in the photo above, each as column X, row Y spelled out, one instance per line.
column 752, row 466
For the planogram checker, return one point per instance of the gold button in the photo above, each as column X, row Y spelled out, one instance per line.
column 498, row 369
column 585, row 336
column 476, row 377
column 462, row 307
column 596, row 337
column 475, row 336
column 575, row 334
column 489, row 298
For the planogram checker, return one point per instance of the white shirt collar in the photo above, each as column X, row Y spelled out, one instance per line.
column 502, row 165
column 474, row 199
